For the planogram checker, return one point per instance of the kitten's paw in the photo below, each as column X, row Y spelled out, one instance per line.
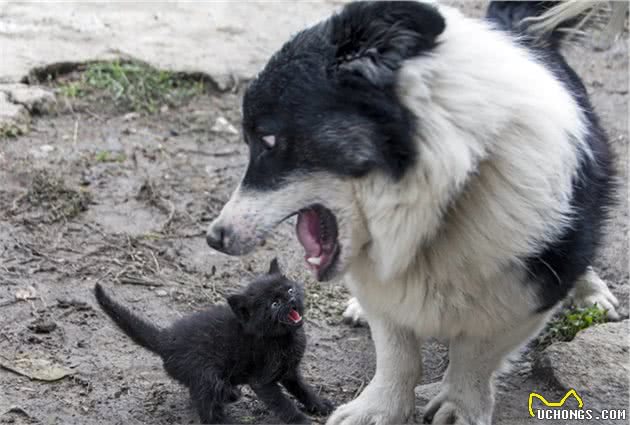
column 300, row 418
column 353, row 314
column 591, row 289
column 320, row 407
column 375, row 407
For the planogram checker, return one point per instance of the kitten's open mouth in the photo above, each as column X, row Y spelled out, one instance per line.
column 317, row 232
column 294, row 317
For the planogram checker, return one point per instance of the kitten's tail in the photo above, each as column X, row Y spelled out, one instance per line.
column 139, row 330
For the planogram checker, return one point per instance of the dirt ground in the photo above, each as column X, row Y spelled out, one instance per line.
column 95, row 192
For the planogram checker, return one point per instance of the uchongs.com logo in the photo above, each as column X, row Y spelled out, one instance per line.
column 557, row 410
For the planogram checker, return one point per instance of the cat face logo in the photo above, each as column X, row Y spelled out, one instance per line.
column 560, row 403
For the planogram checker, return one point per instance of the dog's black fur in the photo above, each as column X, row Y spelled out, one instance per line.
column 329, row 95
column 560, row 264
column 248, row 342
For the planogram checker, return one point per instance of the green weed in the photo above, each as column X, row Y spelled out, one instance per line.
column 106, row 156
column 140, row 87
column 568, row 323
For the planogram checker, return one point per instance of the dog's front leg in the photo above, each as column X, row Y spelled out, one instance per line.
column 389, row 398
column 467, row 393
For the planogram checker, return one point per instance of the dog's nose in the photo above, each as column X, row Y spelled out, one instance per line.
column 216, row 237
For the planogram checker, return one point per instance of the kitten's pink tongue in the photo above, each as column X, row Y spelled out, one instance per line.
column 294, row 316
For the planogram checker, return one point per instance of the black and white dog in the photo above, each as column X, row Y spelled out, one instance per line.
column 453, row 169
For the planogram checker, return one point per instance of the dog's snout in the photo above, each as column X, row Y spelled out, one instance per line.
column 216, row 237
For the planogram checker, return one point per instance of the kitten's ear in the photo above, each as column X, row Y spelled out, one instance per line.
column 274, row 267
column 240, row 306
column 374, row 38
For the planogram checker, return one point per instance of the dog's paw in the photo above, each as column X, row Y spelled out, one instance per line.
column 448, row 413
column 590, row 289
column 444, row 411
column 374, row 407
column 320, row 407
column 353, row 314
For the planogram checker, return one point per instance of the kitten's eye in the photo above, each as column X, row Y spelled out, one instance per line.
column 291, row 291
column 275, row 304
column 269, row 141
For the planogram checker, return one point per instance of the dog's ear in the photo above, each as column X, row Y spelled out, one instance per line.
column 374, row 38
column 274, row 268
column 240, row 306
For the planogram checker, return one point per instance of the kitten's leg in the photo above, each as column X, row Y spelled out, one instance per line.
column 208, row 402
column 295, row 384
column 466, row 394
column 287, row 411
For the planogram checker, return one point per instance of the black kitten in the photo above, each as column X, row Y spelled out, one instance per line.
column 257, row 340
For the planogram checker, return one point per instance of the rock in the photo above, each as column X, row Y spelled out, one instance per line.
column 27, row 293
column 222, row 125
column 14, row 119
column 161, row 293
column 595, row 364
column 33, row 98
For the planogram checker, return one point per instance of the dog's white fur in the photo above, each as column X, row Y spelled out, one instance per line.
column 437, row 254
column 589, row 290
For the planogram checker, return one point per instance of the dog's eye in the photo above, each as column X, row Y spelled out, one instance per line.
column 269, row 141
column 275, row 304
column 291, row 291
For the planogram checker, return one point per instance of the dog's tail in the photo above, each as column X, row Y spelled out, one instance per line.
column 544, row 22
column 139, row 330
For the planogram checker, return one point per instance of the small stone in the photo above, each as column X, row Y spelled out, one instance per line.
column 14, row 118
column 131, row 116
column 222, row 125
column 33, row 98
column 161, row 293
column 27, row 293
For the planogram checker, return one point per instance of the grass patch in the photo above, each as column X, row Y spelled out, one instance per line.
column 11, row 131
column 568, row 323
column 138, row 86
column 72, row 89
column 107, row 156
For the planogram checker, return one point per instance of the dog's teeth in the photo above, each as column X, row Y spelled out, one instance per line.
column 315, row 260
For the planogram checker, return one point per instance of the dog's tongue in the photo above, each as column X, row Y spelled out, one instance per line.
column 294, row 316
column 307, row 230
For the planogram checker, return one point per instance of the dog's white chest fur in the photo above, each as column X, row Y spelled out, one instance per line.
column 438, row 305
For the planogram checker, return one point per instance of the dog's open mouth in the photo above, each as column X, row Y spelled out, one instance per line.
column 317, row 232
